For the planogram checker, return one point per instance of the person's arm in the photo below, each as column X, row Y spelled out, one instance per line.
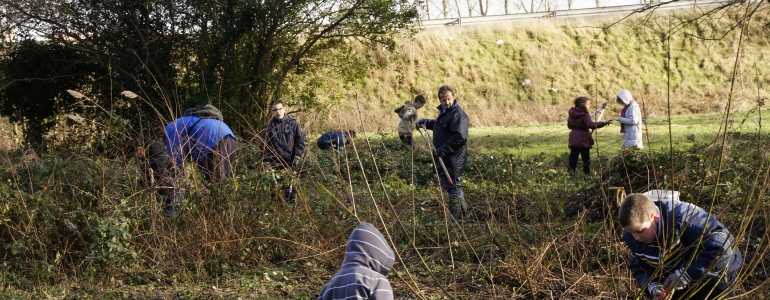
column 299, row 141
column 640, row 274
column 457, row 139
column 636, row 116
column 429, row 123
column 409, row 113
column 590, row 124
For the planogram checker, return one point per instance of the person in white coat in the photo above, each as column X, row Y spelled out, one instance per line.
column 630, row 120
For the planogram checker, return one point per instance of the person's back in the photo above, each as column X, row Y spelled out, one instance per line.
column 363, row 274
column 407, row 114
column 335, row 139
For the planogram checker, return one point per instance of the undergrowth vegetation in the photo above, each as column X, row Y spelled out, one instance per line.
column 78, row 222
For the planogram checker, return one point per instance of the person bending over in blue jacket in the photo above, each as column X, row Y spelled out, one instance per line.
column 202, row 137
column 335, row 139
column 364, row 271
column 678, row 249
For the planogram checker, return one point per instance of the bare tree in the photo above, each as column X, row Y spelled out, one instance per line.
column 445, row 8
column 483, row 7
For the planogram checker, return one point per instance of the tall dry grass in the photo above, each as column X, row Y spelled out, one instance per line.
column 563, row 60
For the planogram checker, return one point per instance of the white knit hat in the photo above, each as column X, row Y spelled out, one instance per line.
column 625, row 96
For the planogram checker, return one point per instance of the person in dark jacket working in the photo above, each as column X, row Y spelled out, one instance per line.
column 283, row 143
column 363, row 274
column 678, row 248
column 450, row 137
column 580, row 139
column 335, row 139
column 157, row 170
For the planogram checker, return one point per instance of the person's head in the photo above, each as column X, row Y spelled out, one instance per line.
column 419, row 101
column 639, row 216
column 276, row 109
column 624, row 97
column 581, row 102
column 134, row 149
column 350, row 134
column 447, row 96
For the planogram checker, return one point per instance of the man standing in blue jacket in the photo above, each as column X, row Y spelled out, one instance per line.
column 283, row 143
column 678, row 249
column 450, row 137
column 202, row 137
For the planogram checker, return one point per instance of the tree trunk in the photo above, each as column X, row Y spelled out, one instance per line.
column 445, row 8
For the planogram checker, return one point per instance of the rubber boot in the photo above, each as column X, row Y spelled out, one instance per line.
column 289, row 196
column 458, row 208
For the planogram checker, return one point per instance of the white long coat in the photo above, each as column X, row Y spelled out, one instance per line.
column 632, row 125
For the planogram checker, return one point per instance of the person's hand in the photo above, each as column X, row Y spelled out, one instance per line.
column 295, row 164
column 617, row 119
column 608, row 122
column 656, row 290
column 421, row 123
column 676, row 282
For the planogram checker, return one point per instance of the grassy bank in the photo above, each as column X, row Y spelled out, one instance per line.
column 563, row 61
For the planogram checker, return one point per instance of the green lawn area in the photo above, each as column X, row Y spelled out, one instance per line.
column 552, row 138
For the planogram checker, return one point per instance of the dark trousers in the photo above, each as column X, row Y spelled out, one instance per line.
column 406, row 139
column 219, row 162
column 585, row 153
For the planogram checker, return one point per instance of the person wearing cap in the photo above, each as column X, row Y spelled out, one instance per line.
column 630, row 120
column 408, row 115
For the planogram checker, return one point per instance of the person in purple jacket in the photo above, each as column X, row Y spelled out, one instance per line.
column 580, row 139
column 202, row 137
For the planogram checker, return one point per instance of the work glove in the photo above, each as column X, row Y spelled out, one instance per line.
column 617, row 119
column 656, row 290
column 676, row 282
column 295, row 164
column 607, row 123
column 421, row 123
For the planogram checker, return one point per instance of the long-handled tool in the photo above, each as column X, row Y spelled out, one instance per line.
column 601, row 109
column 432, row 147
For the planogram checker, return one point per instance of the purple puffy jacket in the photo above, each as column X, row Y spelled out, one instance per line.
column 580, row 122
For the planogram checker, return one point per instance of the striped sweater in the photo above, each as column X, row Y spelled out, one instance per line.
column 368, row 259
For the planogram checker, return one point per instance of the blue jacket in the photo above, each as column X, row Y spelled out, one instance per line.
column 450, row 136
column 192, row 137
column 679, row 231
column 335, row 139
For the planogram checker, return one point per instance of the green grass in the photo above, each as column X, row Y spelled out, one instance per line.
column 551, row 138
